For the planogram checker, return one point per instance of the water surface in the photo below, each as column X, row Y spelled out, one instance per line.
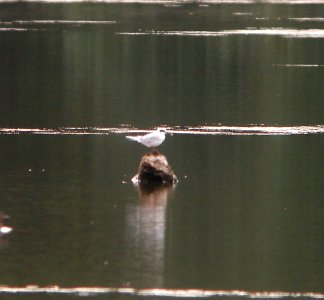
column 239, row 87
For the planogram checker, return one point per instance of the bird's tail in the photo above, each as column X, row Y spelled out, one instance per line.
column 132, row 138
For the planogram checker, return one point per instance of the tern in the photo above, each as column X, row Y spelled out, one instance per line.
column 152, row 139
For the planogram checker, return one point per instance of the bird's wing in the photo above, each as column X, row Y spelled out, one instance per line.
column 149, row 137
column 152, row 139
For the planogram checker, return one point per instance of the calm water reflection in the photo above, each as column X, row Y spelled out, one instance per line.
column 145, row 238
column 240, row 88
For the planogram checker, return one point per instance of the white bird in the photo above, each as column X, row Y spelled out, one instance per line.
column 152, row 139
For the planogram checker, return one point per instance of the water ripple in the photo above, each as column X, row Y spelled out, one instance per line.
column 182, row 1
column 298, row 65
column 197, row 130
column 158, row 292
column 283, row 32
column 51, row 22
column 307, row 19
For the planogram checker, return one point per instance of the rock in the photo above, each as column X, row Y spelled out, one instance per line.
column 154, row 168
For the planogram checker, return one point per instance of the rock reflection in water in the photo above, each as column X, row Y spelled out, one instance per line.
column 145, row 237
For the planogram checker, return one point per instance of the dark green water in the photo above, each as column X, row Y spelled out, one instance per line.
column 247, row 213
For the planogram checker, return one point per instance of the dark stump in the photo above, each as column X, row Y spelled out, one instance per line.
column 155, row 169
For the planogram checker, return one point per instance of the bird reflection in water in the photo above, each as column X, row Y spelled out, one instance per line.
column 145, row 238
